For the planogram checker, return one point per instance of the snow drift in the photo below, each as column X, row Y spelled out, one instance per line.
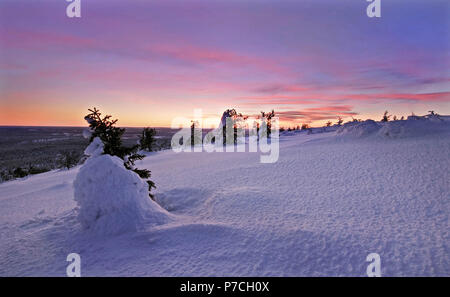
column 412, row 127
column 358, row 129
column 318, row 211
column 112, row 199
column 415, row 127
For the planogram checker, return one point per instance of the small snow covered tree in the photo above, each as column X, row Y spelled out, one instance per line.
column 340, row 121
column 267, row 119
column 147, row 139
column 196, row 134
column 236, row 120
column 111, row 136
column 328, row 124
column 385, row 117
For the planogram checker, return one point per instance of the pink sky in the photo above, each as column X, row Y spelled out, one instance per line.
column 147, row 62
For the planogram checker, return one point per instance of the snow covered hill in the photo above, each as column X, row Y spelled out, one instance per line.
column 330, row 200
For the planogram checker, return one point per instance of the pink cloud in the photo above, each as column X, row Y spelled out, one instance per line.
column 308, row 99
column 311, row 115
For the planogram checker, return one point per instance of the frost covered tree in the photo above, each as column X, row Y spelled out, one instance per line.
column 386, row 117
column 236, row 120
column 340, row 121
column 147, row 139
column 112, row 195
column 105, row 129
column 266, row 117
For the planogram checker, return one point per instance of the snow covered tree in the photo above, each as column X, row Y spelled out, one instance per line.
column 237, row 120
column 147, row 139
column 267, row 118
column 340, row 121
column 385, row 117
column 328, row 124
column 105, row 129
column 196, row 133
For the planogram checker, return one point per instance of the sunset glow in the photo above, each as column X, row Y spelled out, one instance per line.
column 147, row 62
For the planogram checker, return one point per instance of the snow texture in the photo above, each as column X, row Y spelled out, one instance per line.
column 318, row 211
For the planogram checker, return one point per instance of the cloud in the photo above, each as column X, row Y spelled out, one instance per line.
column 310, row 115
column 280, row 88
column 320, row 98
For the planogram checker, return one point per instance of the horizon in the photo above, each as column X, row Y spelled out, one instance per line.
column 148, row 63
column 293, row 125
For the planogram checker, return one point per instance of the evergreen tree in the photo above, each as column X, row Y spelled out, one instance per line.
column 111, row 136
column 147, row 139
column 385, row 117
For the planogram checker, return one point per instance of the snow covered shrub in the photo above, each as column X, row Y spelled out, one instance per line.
column 20, row 172
column 111, row 136
column 113, row 199
column 112, row 195
column 147, row 139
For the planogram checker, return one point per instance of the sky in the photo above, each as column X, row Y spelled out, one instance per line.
column 149, row 62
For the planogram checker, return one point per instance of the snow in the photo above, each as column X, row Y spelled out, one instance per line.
column 114, row 200
column 87, row 133
column 412, row 127
column 357, row 130
column 95, row 148
column 319, row 211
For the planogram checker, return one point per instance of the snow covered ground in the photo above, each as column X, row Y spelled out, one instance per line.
column 330, row 200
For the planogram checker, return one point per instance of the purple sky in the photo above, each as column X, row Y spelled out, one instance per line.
column 147, row 62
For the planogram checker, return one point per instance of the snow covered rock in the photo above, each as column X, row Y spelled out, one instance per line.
column 112, row 199
column 358, row 129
